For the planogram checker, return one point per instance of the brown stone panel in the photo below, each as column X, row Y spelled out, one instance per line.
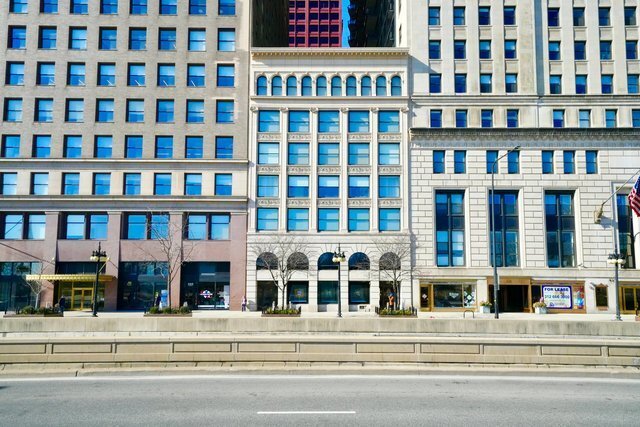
column 275, row 347
column 624, row 351
column 143, row 348
column 82, row 348
column 385, row 348
column 511, row 350
column 571, row 350
column 202, row 347
column 327, row 348
column 23, row 348
column 450, row 348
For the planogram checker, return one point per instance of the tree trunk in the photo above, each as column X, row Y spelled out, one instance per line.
column 169, row 290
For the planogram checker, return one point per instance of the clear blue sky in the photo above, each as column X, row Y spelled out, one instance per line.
column 345, row 27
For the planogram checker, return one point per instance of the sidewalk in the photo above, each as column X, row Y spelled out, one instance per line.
column 222, row 314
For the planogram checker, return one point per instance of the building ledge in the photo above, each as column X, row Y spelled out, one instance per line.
column 343, row 52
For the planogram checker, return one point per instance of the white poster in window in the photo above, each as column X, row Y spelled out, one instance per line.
column 557, row 296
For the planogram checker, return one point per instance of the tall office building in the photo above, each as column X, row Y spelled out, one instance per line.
column 123, row 125
column 315, row 23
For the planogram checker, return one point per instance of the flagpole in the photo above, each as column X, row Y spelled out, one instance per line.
column 597, row 214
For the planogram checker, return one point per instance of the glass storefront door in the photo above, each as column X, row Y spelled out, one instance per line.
column 81, row 299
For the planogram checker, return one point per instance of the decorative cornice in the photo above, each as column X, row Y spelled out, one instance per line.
column 268, row 202
column 298, row 203
column 360, row 203
column 299, row 137
column 329, row 137
column 304, row 170
column 389, row 170
column 329, row 203
column 300, row 52
column 268, row 169
column 390, row 203
column 359, row 170
column 269, row 137
column 359, row 137
column 328, row 170
column 525, row 137
column 383, row 137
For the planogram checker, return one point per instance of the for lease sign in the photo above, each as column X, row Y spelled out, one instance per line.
column 557, row 296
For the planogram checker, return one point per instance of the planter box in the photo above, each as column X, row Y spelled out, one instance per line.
column 34, row 315
column 540, row 310
column 167, row 315
column 485, row 309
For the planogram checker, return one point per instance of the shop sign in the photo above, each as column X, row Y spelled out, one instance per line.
column 206, row 294
column 557, row 296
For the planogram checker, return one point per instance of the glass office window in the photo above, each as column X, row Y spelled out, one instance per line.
column 226, row 7
column 164, row 111
column 197, row 7
column 435, row 118
column 438, row 161
column 581, row 84
column 554, row 50
column 359, row 186
column 592, row 161
column 558, row 118
column 513, row 162
column 47, row 38
column 459, row 49
column 17, row 37
column 12, row 110
column 192, row 184
column 485, row 49
column 299, row 121
column 486, row 118
column 195, row 111
column 135, row 110
column 138, row 7
column 103, row 147
column 328, row 121
column 328, row 154
column 168, row 7
column 460, row 83
column 297, row 219
column 164, row 147
column 449, row 228
column 504, row 238
column 268, row 185
column 268, row 153
column 109, row 7
column 72, row 147
column 220, row 226
column 510, row 49
column 9, row 184
column 101, row 184
column 584, row 118
column 298, row 186
column 511, row 83
column 76, row 74
column 388, row 186
column 359, row 154
column 389, row 219
column 569, row 158
column 633, row 84
column 162, row 184
column 223, row 184
column 226, row 75
column 224, row 147
column 388, row 121
column 108, row 39
column 509, row 15
column 328, row 219
column 10, row 148
column 298, row 153
column 486, row 83
column 328, row 186
column 15, row 74
column 359, row 121
column 46, row 74
column 389, row 154
column 611, row 118
column 547, row 162
column 267, row 219
column 132, row 183
column 555, row 84
column 197, row 40
column 580, row 50
column 137, row 38
column 359, row 219
column 136, row 75
column 458, row 16
column 461, row 118
column 167, row 39
column 560, row 229
column 226, row 40
column 44, row 110
column 459, row 161
column 42, row 146
column 166, row 75
column 268, row 121
column 18, row 6
column 605, row 50
column 435, row 83
column 104, row 110
column 106, row 74
column 434, row 15
column 193, row 147
column 133, row 147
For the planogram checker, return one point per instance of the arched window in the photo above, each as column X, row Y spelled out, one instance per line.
column 321, row 86
column 365, row 86
column 381, row 86
column 306, row 86
column 359, row 261
column 261, row 86
column 390, row 261
column 336, row 86
column 325, row 262
column 352, row 84
column 396, row 86
column 276, row 86
column 267, row 261
column 298, row 261
column 292, row 86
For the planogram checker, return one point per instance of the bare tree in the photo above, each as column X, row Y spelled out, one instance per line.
column 393, row 252
column 171, row 248
column 282, row 256
column 35, row 286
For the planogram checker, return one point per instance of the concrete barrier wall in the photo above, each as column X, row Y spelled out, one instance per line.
column 307, row 351
column 135, row 326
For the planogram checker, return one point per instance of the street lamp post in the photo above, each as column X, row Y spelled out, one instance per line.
column 617, row 261
column 339, row 257
column 496, row 285
column 97, row 256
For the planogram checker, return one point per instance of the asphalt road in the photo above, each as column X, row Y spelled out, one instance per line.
column 243, row 400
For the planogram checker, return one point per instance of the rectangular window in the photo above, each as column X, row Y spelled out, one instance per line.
column 12, row 110
column 459, row 49
column 135, row 111
column 104, row 110
column 47, row 38
column 359, row 121
column 226, row 7
column 554, row 51
column 268, row 185
column 389, row 154
column 626, row 235
column 298, row 153
column 46, row 74
column 85, row 226
column 9, row 184
column 553, row 17
column 17, row 38
column 578, row 17
column 193, row 147
column 133, row 147
column 137, row 38
column 196, row 227
column 461, row 118
column 607, row 83
column 106, row 74
column 328, row 219
column 167, row 39
column 461, row 83
column 434, row 15
column 166, row 75
column 72, row 146
column 226, row 40
column 298, row 186
column 109, row 7
column 74, row 111
column 223, row 184
column 604, row 16
column 513, row 162
column 388, row 121
column 504, row 237
column 328, row 154
column 389, row 219
column 486, row 85
column 44, row 110
column 226, row 75
column 108, row 39
column 140, row 226
column 605, row 50
column 132, row 183
column 484, row 15
column 165, row 111
column 328, row 121
column 511, row 83
column 359, row 154
column 584, row 118
column 197, row 7
column 168, row 7
column 13, row 227
column 76, row 74
column 630, row 16
column 459, row 161
column 485, row 49
column 267, row 219
column 569, row 158
column 268, row 153
column 509, row 15
column 435, row 118
column 10, row 147
column 435, row 83
column 439, row 161
column 268, row 121
column 592, row 162
column 635, row 118
column 359, row 219
column 359, row 186
column 632, row 49
column 197, row 40
column 632, row 84
column 79, row 7
column 328, row 187
column 558, row 118
column 580, row 50
column 101, row 184
column 35, row 226
column 224, row 111
column 224, row 147
column 449, row 228
column 18, row 6
column 162, row 184
column 389, row 186
column 611, row 118
column 42, row 146
column 299, row 121
column 136, row 75
column 547, row 162
column 15, row 74
column 435, row 49
column 220, row 226
column 103, row 147
column 458, row 16
column 297, row 219
column 196, row 75
column 192, row 184
column 513, row 118
column 195, row 111
column 581, row 84
column 510, row 49
column 560, row 229
column 164, row 147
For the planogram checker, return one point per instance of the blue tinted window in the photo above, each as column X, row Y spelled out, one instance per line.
column 267, row 219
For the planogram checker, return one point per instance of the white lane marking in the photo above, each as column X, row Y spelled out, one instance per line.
column 425, row 376
column 306, row 412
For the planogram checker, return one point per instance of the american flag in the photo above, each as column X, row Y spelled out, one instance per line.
column 634, row 198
